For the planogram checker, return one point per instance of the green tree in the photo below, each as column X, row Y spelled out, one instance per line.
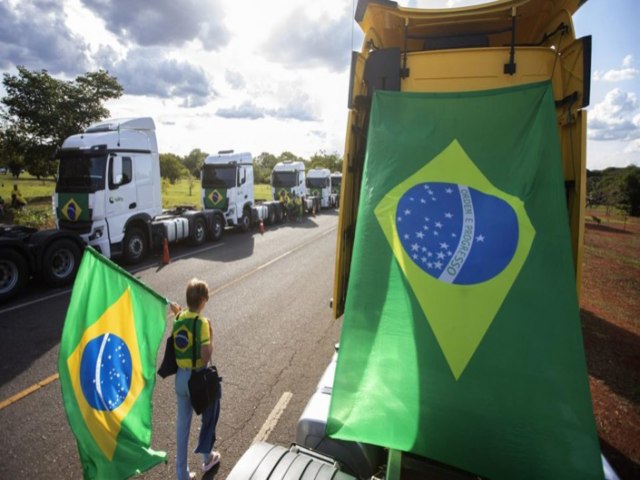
column 262, row 166
column 41, row 111
column 290, row 157
column 11, row 152
column 631, row 191
column 171, row 167
column 194, row 161
column 332, row 161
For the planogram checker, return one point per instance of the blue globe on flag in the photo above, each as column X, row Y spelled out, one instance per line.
column 71, row 211
column 456, row 233
column 105, row 372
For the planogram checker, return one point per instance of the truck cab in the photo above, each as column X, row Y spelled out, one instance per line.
column 227, row 186
column 288, row 179
column 108, row 186
column 319, row 185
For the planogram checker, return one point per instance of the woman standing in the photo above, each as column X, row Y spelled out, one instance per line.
column 191, row 331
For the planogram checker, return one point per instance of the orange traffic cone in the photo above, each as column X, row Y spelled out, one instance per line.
column 261, row 227
column 165, row 252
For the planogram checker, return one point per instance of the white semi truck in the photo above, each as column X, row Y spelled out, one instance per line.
column 288, row 181
column 108, row 191
column 319, row 185
column 228, row 190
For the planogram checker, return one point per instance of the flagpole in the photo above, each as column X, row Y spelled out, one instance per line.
column 394, row 465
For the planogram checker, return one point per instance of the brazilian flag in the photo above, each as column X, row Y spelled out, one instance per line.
column 215, row 197
column 110, row 340
column 461, row 339
column 73, row 207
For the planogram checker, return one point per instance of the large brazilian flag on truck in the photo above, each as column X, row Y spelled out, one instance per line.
column 110, row 340
column 461, row 339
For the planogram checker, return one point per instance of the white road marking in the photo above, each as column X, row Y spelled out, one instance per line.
column 272, row 420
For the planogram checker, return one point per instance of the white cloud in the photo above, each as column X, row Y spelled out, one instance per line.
column 34, row 34
column 613, row 118
column 164, row 22
column 302, row 41
column 633, row 146
column 627, row 72
column 148, row 71
column 235, row 79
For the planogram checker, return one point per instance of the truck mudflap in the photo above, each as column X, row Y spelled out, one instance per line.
column 264, row 461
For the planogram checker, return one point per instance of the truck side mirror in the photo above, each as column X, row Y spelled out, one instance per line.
column 116, row 170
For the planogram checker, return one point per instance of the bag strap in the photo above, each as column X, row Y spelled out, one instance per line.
column 195, row 342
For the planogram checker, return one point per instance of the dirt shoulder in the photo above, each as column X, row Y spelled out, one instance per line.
column 610, row 313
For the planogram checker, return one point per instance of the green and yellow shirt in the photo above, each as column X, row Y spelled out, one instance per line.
column 183, row 338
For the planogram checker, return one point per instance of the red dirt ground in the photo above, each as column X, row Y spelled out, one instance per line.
column 610, row 313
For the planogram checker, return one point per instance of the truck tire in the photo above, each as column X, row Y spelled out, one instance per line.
column 279, row 213
column 217, row 228
column 199, row 233
column 14, row 274
column 134, row 246
column 271, row 219
column 245, row 221
column 60, row 263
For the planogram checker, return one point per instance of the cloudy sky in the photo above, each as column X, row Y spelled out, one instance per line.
column 272, row 76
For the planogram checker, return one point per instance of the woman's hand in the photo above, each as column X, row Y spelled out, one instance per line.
column 175, row 308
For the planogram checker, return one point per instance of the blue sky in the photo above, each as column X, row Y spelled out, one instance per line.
column 614, row 111
column 273, row 76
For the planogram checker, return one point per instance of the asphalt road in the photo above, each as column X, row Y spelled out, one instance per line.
column 273, row 333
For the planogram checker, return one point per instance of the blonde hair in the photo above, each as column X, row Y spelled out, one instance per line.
column 197, row 291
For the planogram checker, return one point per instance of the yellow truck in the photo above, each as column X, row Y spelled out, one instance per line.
column 493, row 45
column 459, row 250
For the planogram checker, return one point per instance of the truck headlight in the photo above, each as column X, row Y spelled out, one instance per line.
column 97, row 234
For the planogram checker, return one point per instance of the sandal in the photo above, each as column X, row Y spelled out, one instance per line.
column 214, row 459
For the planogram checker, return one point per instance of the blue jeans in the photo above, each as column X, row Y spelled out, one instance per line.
column 209, row 421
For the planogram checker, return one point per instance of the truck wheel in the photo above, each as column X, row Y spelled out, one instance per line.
column 279, row 213
column 272, row 215
column 134, row 246
column 217, row 228
column 60, row 263
column 14, row 274
column 199, row 234
column 245, row 221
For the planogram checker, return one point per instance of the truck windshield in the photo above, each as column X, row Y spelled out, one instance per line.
column 284, row 179
column 81, row 172
column 219, row 176
column 336, row 181
column 317, row 182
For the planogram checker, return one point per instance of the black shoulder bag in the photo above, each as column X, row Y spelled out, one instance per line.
column 168, row 366
column 203, row 384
